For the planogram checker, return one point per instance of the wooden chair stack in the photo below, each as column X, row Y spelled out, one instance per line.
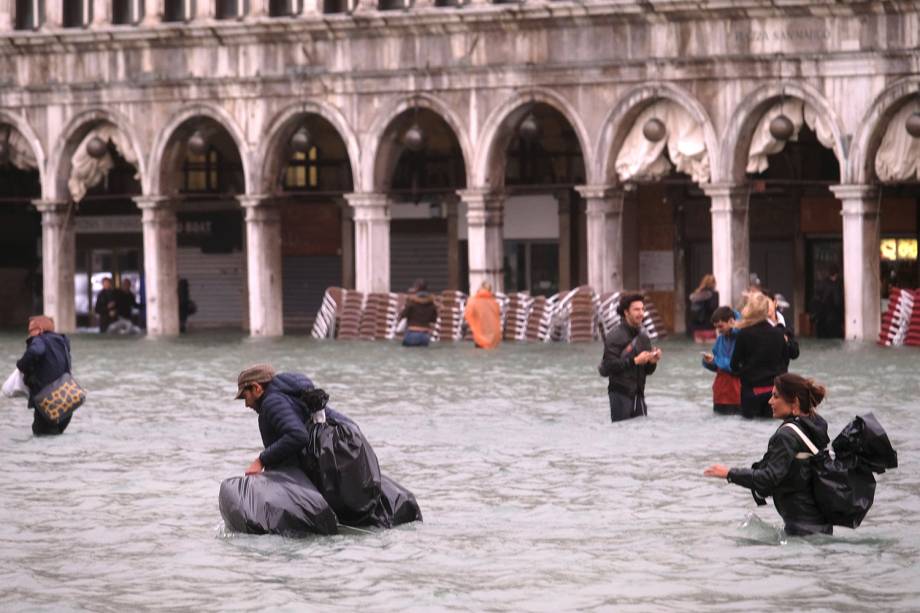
column 896, row 321
column 519, row 305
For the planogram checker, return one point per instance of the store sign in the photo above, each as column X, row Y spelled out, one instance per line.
column 895, row 249
column 108, row 224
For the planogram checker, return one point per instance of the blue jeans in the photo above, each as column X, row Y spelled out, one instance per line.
column 415, row 338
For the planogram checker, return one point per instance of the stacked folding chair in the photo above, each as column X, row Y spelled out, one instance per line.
column 450, row 315
column 324, row 323
column 582, row 316
column 351, row 309
column 912, row 337
column 896, row 320
column 519, row 305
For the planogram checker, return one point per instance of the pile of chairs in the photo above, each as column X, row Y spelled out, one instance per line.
column 901, row 322
column 578, row 315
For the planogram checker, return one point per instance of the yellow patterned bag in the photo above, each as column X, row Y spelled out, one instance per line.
column 60, row 398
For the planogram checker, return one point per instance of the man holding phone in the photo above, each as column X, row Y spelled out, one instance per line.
column 628, row 359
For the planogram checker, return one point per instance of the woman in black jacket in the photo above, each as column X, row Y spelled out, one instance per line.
column 784, row 472
column 761, row 353
column 421, row 314
column 47, row 357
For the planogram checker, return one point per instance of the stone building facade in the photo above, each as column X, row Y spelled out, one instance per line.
column 272, row 148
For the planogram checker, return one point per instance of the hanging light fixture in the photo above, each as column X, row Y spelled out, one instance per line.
column 529, row 128
column 781, row 127
column 414, row 137
column 302, row 141
column 96, row 147
column 197, row 144
column 654, row 130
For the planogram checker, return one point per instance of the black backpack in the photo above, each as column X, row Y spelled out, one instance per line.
column 843, row 484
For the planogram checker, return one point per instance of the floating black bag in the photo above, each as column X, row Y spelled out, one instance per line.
column 342, row 464
column 397, row 505
column 843, row 484
column 278, row 501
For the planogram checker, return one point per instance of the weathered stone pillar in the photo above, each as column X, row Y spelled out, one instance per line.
column 263, row 265
column 258, row 8
column 484, row 217
column 452, row 203
column 202, row 10
column 54, row 16
column 861, row 266
column 604, row 221
column 731, row 250
column 152, row 12
column 59, row 256
column 6, row 15
column 101, row 12
column 372, row 241
column 161, row 277
column 564, row 200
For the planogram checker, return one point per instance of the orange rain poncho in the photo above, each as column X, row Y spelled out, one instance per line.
column 484, row 318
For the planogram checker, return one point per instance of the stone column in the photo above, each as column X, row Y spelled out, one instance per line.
column 263, row 265
column 861, row 266
column 731, row 250
column 59, row 256
column 152, row 13
column 101, row 13
column 6, row 15
column 564, row 199
column 372, row 241
column 452, row 203
column 484, row 216
column 257, row 8
column 202, row 10
column 604, row 240
column 348, row 245
column 54, row 16
column 161, row 277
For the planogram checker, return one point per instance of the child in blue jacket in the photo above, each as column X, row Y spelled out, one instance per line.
column 726, row 388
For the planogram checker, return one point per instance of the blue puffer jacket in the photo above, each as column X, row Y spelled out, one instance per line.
column 47, row 357
column 282, row 418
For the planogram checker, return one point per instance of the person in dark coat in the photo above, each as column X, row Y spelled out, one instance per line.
column 784, row 472
column 187, row 306
column 47, row 357
column 827, row 305
column 761, row 354
column 106, row 304
column 126, row 302
column 703, row 303
column 628, row 359
column 282, row 414
column 420, row 314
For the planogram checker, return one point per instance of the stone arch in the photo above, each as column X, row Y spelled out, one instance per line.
column 25, row 130
column 153, row 184
column 74, row 131
column 860, row 168
column 620, row 120
column 496, row 134
column 737, row 135
column 270, row 147
column 373, row 143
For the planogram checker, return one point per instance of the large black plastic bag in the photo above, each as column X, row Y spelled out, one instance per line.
column 844, row 485
column 397, row 504
column 279, row 501
column 344, row 467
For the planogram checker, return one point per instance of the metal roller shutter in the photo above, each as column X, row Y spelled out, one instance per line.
column 216, row 284
column 418, row 255
column 304, row 281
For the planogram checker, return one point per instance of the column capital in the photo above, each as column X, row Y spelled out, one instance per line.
column 51, row 206
column 599, row 192
column 482, row 198
column 149, row 202
column 250, row 201
column 369, row 206
column 726, row 190
column 857, row 199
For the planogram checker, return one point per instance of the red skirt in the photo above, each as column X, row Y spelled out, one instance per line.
column 726, row 389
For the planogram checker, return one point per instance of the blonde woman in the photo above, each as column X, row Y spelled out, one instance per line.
column 761, row 354
column 703, row 303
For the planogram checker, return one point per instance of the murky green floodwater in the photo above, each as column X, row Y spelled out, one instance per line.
column 532, row 499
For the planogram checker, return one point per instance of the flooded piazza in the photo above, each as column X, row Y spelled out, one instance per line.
column 532, row 499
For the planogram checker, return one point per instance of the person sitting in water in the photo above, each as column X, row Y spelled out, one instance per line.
column 726, row 388
column 276, row 398
column 420, row 313
column 784, row 472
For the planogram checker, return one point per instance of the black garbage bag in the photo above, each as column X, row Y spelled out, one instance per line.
column 844, row 485
column 863, row 442
column 278, row 501
column 342, row 464
column 397, row 504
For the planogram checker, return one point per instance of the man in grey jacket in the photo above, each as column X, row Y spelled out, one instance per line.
column 628, row 360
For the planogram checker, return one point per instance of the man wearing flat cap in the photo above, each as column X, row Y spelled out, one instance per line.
column 276, row 397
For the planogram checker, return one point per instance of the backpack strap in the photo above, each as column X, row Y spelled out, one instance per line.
column 805, row 439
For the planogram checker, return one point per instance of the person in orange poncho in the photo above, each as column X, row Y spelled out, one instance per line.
column 484, row 318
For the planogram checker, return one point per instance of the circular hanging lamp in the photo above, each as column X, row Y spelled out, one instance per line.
column 301, row 142
column 529, row 128
column 414, row 138
column 912, row 125
column 96, row 147
column 781, row 128
column 197, row 144
column 654, row 130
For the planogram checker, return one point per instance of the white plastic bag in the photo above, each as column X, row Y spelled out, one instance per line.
column 15, row 385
